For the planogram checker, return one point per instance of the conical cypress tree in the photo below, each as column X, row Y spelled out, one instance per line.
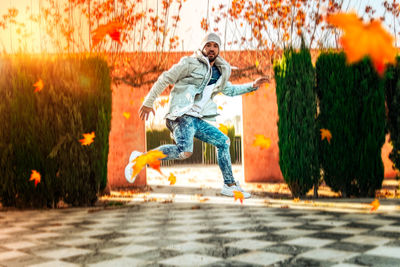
column 351, row 103
column 298, row 151
column 392, row 95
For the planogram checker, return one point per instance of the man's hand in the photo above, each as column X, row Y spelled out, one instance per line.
column 144, row 112
column 260, row 81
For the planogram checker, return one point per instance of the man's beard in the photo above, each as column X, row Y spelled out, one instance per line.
column 211, row 59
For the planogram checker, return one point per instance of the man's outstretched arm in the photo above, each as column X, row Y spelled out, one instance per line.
column 233, row 90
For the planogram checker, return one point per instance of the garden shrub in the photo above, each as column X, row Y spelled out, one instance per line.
column 298, row 136
column 41, row 130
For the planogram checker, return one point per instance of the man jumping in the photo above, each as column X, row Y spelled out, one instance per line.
column 197, row 79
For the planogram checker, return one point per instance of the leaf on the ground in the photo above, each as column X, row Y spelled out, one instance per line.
column 375, row 205
column 326, row 134
column 172, row 179
column 238, row 195
column 38, row 86
column 262, row 141
column 127, row 115
column 87, row 139
column 360, row 39
column 223, row 128
column 35, row 176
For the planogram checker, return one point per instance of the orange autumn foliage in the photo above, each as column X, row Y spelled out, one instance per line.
column 326, row 134
column 262, row 141
column 238, row 195
column 127, row 115
column 360, row 40
column 113, row 29
column 223, row 128
column 35, row 176
column 374, row 205
column 87, row 139
column 152, row 158
column 38, row 86
column 172, row 179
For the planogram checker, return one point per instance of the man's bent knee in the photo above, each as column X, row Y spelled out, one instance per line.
column 185, row 155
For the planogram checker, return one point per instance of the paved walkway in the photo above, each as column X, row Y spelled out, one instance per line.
column 194, row 226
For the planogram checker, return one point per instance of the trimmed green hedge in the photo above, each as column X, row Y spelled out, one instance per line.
column 352, row 108
column 392, row 94
column 297, row 110
column 41, row 131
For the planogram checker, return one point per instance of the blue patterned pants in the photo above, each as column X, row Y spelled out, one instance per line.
column 184, row 129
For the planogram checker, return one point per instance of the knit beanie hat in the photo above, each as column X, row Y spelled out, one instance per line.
column 211, row 37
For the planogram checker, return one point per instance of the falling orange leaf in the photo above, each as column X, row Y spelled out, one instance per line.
column 262, row 141
column 375, row 205
column 38, row 86
column 221, row 108
column 152, row 158
column 113, row 29
column 172, row 179
column 326, row 134
column 164, row 101
column 259, row 186
column 127, row 115
column 35, row 176
column 360, row 40
column 238, row 195
column 87, row 139
column 223, row 128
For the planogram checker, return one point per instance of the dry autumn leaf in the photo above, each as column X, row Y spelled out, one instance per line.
column 238, row 195
column 152, row 158
column 113, row 29
column 87, row 139
column 262, row 141
column 127, row 115
column 172, row 179
column 38, row 86
column 35, row 176
column 374, row 205
column 164, row 101
column 361, row 39
column 326, row 134
column 223, row 128
column 220, row 108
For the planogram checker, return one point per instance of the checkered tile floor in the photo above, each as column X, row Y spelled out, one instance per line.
column 173, row 234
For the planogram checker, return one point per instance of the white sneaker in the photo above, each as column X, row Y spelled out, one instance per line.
column 129, row 167
column 228, row 191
